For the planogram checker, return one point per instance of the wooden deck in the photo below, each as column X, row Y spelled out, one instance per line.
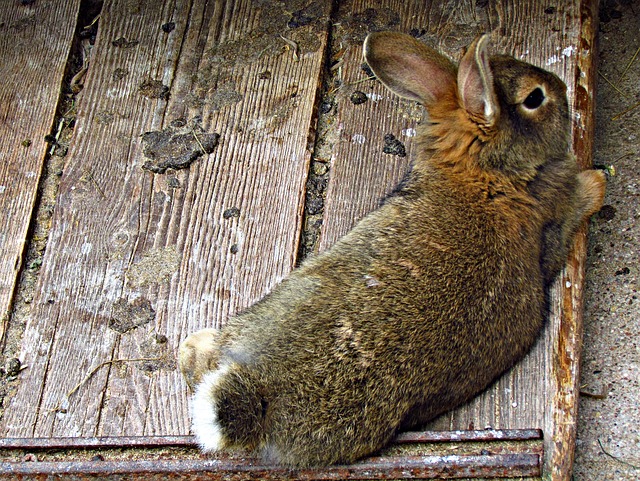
column 149, row 240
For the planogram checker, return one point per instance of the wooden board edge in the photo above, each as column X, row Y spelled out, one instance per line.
column 561, row 434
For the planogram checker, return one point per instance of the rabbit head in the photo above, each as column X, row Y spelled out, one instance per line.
column 509, row 115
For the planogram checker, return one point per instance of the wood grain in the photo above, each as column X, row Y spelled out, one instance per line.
column 187, row 248
column 30, row 80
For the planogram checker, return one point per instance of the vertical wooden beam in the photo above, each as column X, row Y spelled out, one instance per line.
column 562, row 418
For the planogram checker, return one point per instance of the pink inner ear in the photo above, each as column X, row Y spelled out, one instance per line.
column 422, row 81
column 409, row 68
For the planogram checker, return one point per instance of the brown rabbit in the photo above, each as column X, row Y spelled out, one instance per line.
column 429, row 298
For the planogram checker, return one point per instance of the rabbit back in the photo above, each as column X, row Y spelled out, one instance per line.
column 379, row 331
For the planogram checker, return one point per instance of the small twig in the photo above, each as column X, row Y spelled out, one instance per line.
column 615, row 457
column 70, row 110
column 629, row 64
column 356, row 82
column 89, row 176
column 337, row 65
column 612, row 84
column 617, row 116
column 57, row 137
column 106, row 363
column 262, row 52
column 76, row 81
column 593, row 395
column 77, row 78
column 198, row 140
column 293, row 45
column 92, row 22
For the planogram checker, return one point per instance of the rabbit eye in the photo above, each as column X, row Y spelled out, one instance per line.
column 535, row 99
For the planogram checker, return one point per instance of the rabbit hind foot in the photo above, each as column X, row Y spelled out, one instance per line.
column 198, row 355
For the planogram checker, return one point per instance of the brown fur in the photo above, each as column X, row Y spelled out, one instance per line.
column 428, row 299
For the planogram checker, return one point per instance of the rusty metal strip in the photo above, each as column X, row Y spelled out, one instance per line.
column 98, row 442
column 485, row 435
column 406, row 467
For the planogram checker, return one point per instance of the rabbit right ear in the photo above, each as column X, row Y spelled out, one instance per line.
column 409, row 68
column 475, row 83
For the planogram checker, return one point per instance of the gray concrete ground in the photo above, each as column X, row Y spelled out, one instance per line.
column 608, row 444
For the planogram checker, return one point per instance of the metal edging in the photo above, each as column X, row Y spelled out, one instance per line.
column 390, row 467
column 106, row 442
column 484, row 465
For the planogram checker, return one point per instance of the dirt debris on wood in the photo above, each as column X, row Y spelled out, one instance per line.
column 154, row 267
column 156, row 353
column 126, row 315
column 154, row 89
column 176, row 146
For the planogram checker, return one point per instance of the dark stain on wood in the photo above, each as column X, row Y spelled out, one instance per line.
column 176, row 148
column 126, row 315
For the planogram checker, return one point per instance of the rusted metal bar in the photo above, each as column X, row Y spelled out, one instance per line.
column 33, row 444
column 189, row 441
column 401, row 467
column 154, row 462
column 475, row 436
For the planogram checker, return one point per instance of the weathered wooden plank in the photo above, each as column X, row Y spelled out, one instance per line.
column 172, row 252
column 35, row 40
column 561, row 419
column 540, row 391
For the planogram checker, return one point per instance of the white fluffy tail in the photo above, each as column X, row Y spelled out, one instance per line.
column 228, row 410
column 204, row 411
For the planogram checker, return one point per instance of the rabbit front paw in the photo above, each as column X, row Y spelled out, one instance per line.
column 592, row 189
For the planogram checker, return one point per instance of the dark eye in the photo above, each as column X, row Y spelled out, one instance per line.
column 535, row 99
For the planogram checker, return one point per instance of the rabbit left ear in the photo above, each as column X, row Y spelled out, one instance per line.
column 410, row 68
column 475, row 83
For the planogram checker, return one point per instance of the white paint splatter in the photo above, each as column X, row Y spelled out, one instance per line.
column 410, row 132
column 2, row 189
column 86, row 248
column 564, row 52
column 374, row 97
column 358, row 139
column 552, row 60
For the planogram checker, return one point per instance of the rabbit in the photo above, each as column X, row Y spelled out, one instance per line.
column 429, row 298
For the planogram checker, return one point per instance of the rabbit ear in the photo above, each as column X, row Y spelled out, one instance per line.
column 475, row 83
column 408, row 67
